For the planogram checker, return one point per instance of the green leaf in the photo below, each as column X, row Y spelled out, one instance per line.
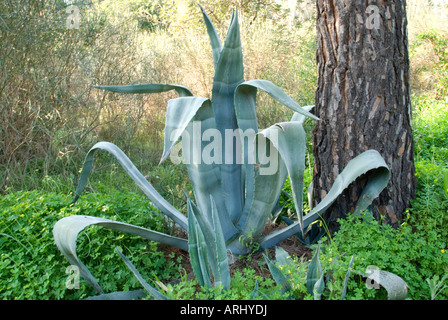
column 148, row 88
column 370, row 163
column 187, row 119
column 196, row 245
column 282, row 256
column 66, row 230
column 151, row 290
column 314, row 276
column 445, row 182
column 347, row 276
column 269, row 178
column 121, row 295
column 135, row 174
column 215, row 42
column 395, row 286
column 245, row 109
column 229, row 73
column 222, row 274
column 278, row 276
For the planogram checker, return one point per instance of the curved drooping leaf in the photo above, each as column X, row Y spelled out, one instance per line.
column 291, row 144
column 151, row 290
column 396, row 287
column 188, row 118
column 135, row 174
column 148, row 88
column 269, row 177
column 66, row 230
column 369, row 162
column 301, row 117
column 245, row 102
column 245, row 110
column 180, row 113
column 121, row 295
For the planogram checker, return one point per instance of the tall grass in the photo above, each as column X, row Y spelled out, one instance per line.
column 50, row 116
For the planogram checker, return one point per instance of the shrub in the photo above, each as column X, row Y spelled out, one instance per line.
column 413, row 253
column 30, row 264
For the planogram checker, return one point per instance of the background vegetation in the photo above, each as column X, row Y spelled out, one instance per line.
column 50, row 117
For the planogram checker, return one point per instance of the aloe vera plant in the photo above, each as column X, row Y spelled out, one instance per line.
column 236, row 187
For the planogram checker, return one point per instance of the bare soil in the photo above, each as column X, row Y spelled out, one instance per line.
column 255, row 261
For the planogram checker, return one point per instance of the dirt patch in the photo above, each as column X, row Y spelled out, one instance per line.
column 292, row 245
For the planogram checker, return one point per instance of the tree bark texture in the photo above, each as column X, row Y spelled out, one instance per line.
column 363, row 100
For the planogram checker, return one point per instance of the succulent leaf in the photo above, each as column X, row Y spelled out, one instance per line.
column 148, row 88
column 66, row 230
column 135, row 174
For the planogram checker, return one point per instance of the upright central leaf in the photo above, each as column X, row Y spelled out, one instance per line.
column 229, row 74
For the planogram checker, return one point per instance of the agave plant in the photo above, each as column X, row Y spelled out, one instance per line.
column 233, row 199
column 395, row 286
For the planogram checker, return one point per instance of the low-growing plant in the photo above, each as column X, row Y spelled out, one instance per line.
column 413, row 252
column 29, row 264
column 237, row 178
column 430, row 129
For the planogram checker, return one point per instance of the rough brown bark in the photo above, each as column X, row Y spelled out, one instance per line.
column 363, row 100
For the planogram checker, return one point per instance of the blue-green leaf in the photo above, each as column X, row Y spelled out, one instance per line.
column 278, row 276
column 291, row 144
column 245, row 96
column 245, row 110
column 188, row 118
column 151, row 290
column 222, row 274
column 147, row 88
column 314, row 279
column 347, row 276
column 66, row 230
column 215, row 42
column 197, row 249
column 229, row 73
column 370, row 163
column 135, row 174
column 301, row 117
column 282, row 257
column 269, row 177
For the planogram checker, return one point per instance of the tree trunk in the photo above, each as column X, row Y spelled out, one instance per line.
column 363, row 100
